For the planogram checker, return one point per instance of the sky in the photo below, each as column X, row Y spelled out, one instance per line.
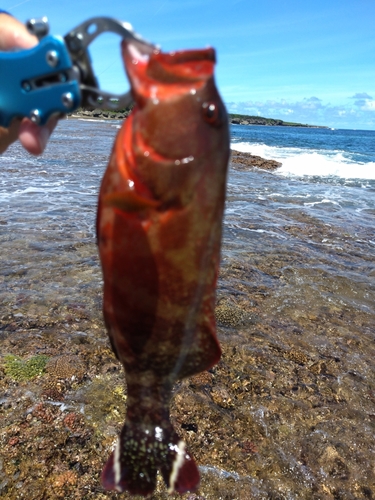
column 305, row 61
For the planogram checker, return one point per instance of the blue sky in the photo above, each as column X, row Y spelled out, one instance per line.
column 309, row 61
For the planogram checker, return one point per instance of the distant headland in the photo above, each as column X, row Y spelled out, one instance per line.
column 260, row 120
column 235, row 119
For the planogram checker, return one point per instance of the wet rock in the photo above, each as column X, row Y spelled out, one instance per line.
column 246, row 161
column 66, row 367
column 334, row 464
column 230, row 315
column 297, row 356
column 222, row 397
column 201, row 380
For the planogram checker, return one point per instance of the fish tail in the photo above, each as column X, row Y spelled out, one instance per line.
column 140, row 452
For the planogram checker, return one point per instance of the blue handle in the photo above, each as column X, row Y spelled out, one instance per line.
column 37, row 82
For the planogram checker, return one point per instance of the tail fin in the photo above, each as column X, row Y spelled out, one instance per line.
column 142, row 450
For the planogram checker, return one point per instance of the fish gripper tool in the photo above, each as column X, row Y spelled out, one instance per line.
column 56, row 76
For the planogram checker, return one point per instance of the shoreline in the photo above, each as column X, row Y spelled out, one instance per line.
column 100, row 114
column 238, row 160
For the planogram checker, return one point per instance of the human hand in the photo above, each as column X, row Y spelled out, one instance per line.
column 13, row 34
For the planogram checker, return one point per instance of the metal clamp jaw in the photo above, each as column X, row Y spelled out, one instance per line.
column 56, row 76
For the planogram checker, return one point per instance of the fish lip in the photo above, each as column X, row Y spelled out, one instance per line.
column 137, row 52
column 188, row 55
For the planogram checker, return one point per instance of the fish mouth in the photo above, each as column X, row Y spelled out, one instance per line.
column 185, row 66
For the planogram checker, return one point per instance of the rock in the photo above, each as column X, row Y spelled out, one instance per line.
column 221, row 396
column 66, row 367
column 96, row 113
column 247, row 161
column 231, row 315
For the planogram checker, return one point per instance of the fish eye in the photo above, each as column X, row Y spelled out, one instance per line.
column 212, row 113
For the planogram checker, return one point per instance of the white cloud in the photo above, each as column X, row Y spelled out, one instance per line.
column 314, row 111
column 364, row 101
column 370, row 105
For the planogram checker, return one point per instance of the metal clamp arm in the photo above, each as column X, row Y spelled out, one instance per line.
column 78, row 41
column 56, row 76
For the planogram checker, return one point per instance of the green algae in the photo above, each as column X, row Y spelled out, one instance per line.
column 20, row 369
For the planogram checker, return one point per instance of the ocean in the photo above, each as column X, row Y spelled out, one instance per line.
column 326, row 175
column 298, row 266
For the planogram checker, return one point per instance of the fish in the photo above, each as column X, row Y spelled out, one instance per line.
column 159, row 228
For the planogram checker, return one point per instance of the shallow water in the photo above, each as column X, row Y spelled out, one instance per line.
column 289, row 412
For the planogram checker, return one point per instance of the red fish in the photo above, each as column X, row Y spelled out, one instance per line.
column 159, row 231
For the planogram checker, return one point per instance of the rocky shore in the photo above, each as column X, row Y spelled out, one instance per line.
column 287, row 413
column 239, row 160
column 99, row 114
column 256, row 121
column 234, row 119
column 113, row 115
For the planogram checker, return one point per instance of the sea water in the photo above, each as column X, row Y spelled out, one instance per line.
column 320, row 202
column 298, row 252
column 326, row 174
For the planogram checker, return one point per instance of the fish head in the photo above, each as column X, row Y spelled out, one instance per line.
column 179, row 113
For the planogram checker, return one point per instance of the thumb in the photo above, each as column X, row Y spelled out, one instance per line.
column 13, row 34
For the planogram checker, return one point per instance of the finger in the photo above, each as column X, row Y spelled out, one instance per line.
column 33, row 137
column 13, row 34
column 9, row 135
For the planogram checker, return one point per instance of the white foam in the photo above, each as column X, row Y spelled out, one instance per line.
column 320, row 202
column 300, row 162
column 97, row 120
column 33, row 190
